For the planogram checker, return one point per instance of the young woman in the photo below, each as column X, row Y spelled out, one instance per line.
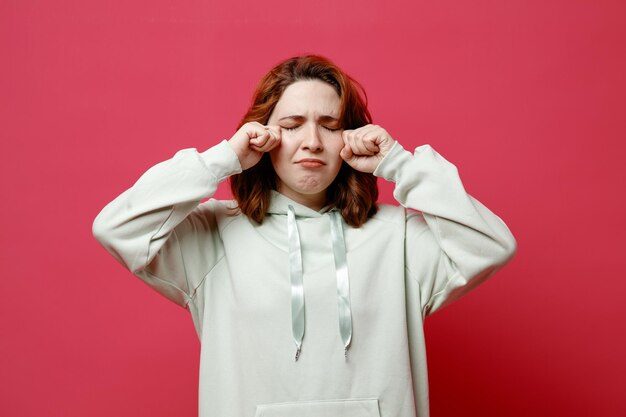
column 308, row 298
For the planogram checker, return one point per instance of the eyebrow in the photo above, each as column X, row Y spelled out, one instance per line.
column 324, row 118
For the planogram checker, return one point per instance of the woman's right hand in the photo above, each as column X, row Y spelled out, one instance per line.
column 252, row 140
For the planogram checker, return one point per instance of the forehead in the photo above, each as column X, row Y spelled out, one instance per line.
column 308, row 98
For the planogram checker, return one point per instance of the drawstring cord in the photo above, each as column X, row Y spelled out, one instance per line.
column 297, row 284
column 343, row 280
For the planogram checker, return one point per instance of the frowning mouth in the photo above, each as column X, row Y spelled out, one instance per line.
column 310, row 163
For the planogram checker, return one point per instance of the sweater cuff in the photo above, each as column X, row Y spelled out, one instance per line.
column 389, row 167
column 221, row 161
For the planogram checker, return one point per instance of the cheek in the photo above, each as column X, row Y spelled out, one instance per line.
column 280, row 158
column 275, row 158
column 334, row 150
column 335, row 146
column 288, row 146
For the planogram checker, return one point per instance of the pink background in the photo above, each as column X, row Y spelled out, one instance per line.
column 527, row 98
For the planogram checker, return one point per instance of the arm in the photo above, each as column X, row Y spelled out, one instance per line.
column 455, row 243
column 157, row 230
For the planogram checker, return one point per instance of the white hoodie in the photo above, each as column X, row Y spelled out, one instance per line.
column 240, row 282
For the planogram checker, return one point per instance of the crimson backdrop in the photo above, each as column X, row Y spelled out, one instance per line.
column 527, row 98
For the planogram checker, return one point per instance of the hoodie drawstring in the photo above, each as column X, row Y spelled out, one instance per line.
column 297, row 284
column 343, row 280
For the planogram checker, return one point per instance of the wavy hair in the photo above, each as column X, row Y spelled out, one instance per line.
column 354, row 193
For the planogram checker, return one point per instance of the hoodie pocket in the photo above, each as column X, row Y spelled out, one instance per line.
column 365, row 407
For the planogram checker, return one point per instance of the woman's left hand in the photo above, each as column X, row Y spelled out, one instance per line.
column 365, row 147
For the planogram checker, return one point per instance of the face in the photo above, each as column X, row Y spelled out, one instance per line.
column 307, row 160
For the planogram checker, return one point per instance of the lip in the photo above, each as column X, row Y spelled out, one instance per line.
column 310, row 162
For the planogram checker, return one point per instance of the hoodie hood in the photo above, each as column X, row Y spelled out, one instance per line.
column 281, row 205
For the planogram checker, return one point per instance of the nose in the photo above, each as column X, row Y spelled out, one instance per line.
column 313, row 140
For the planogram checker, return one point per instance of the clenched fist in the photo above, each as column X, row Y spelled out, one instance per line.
column 365, row 147
column 252, row 140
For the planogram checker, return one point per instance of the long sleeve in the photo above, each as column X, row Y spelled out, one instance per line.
column 158, row 229
column 454, row 243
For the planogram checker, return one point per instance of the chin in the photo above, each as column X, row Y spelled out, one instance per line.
column 311, row 187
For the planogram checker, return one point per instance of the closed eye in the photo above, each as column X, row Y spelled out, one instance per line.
column 325, row 127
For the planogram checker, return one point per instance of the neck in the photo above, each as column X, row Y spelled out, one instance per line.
column 313, row 201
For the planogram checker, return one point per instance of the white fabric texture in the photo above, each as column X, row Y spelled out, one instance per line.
column 232, row 274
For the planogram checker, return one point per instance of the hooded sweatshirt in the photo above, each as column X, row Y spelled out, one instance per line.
column 304, row 315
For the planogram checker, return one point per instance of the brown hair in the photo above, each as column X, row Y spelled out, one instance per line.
column 354, row 193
